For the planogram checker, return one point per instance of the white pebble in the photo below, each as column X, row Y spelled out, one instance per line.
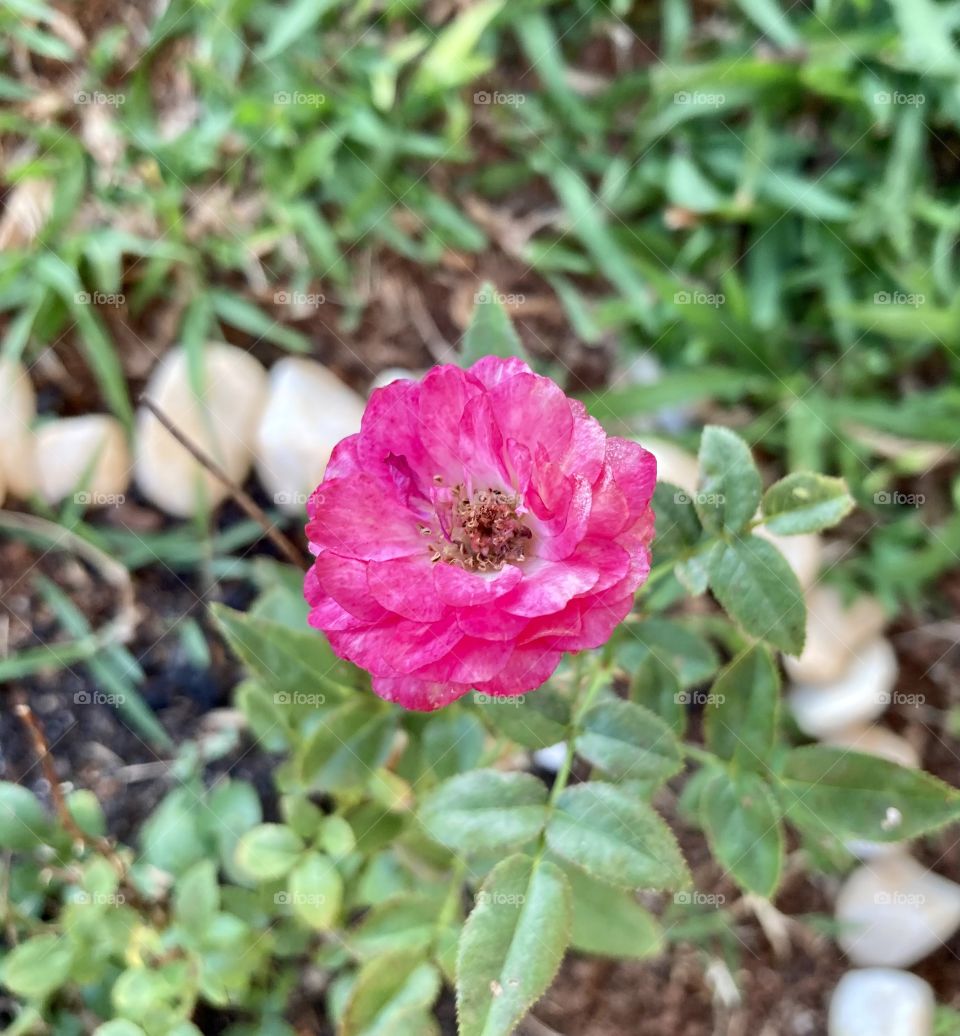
column 86, row 457
column 18, row 408
column 222, row 422
column 881, row 1002
column 309, row 410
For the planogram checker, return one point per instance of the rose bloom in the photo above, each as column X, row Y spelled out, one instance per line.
column 479, row 525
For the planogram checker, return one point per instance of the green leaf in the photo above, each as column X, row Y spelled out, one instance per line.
column 37, row 967
column 625, row 740
column 315, row 891
column 291, row 663
column 268, row 851
column 540, row 720
column 685, row 652
column 24, row 823
column 451, row 59
column 805, row 502
column 404, row 922
column 741, row 820
column 196, row 898
column 512, row 945
column 491, row 332
column 655, row 686
column 728, row 491
column 863, row 796
column 393, row 994
column 609, row 922
column 294, row 23
column 451, row 743
column 740, row 721
column 678, row 527
column 616, row 837
column 485, row 810
column 350, row 744
column 758, row 589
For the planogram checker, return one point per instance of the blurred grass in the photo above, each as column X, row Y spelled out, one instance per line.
column 762, row 194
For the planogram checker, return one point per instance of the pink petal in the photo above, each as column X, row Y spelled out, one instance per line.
column 414, row 693
column 491, row 370
column 456, row 586
column 527, row 668
column 405, row 586
column 546, row 587
column 354, row 517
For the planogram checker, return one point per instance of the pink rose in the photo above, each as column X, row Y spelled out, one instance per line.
column 479, row 525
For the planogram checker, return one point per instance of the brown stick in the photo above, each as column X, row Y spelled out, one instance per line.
column 42, row 750
column 280, row 540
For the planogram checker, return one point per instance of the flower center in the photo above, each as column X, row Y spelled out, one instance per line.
column 486, row 532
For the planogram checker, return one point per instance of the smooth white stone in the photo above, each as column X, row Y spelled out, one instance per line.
column 834, row 635
column 391, row 374
column 674, row 464
column 803, row 553
column 67, row 448
column 551, row 759
column 18, row 408
column 881, row 1002
column 222, row 423
column 894, row 912
column 857, row 698
column 877, row 741
column 309, row 410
